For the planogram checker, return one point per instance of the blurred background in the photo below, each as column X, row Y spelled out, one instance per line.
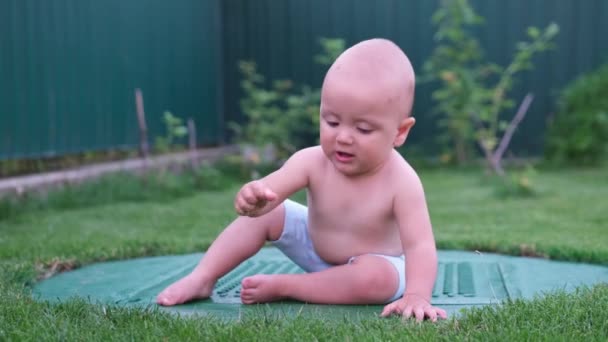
column 69, row 71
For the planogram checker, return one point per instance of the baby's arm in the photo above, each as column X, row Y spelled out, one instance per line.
column 420, row 252
column 258, row 197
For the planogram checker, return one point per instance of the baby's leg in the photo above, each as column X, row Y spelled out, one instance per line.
column 369, row 279
column 239, row 241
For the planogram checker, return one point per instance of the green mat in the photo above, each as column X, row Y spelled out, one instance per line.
column 465, row 279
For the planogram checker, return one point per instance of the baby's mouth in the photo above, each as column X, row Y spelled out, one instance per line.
column 343, row 156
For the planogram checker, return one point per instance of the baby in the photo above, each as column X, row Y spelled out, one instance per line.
column 366, row 229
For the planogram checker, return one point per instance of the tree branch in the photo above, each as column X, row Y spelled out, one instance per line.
column 506, row 138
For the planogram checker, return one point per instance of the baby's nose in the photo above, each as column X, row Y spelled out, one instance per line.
column 344, row 137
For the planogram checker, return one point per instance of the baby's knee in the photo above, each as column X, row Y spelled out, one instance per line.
column 270, row 225
column 378, row 279
column 274, row 222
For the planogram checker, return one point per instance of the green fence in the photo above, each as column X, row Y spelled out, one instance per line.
column 68, row 70
column 281, row 36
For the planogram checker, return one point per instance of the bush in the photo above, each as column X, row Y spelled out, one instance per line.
column 517, row 184
column 281, row 114
column 577, row 134
column 472, row 93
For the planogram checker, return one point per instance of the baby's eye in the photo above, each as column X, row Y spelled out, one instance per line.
column 332, row 123
column 364, row 130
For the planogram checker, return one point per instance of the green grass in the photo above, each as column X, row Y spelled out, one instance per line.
column 567, row 220
column 573, row 320
column 159, row 186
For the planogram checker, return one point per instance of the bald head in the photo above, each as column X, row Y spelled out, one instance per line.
column 380, row 66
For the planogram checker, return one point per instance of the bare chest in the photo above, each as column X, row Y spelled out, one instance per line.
column 339, row 204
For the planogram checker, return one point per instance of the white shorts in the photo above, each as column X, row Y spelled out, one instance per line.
column 296, row 244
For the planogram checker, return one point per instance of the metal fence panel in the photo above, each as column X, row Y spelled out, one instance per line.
column 68, row 70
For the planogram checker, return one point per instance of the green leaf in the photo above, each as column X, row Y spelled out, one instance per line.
column 552, row 30
column 533, row 32
column 180, row 131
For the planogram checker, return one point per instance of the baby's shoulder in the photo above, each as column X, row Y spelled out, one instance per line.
column 402, row 173
column 309, row 155
column 308, row 159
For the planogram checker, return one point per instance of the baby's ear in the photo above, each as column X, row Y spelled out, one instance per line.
column 403, row 130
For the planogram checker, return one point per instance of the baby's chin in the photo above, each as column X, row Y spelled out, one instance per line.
column 351, row 169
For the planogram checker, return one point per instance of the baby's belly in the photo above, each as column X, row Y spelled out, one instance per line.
column 337, row 247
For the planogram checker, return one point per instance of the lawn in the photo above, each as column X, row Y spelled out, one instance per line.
column 566, row 220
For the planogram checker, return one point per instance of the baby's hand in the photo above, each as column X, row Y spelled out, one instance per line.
column 252, row 198
column 413, row 305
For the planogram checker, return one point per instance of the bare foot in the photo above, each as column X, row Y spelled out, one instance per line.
column 188, row 288
column 260, row 288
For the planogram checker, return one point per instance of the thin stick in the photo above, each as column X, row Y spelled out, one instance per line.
column 143, row 129
column 506, row 138
column 192, row 141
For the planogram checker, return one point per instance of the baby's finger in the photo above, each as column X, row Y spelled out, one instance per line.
column 270, row 195
column 259, row 190
column 242, row 207
column 441, row 313
column 249, row 196
column 407, row 312
column 419, row 314
column 237, row 206
column 389, row 310
column 431, row 313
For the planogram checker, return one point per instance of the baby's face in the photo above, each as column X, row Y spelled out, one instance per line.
column 358, row 124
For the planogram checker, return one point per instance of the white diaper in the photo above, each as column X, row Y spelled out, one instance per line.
column 296, row 244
